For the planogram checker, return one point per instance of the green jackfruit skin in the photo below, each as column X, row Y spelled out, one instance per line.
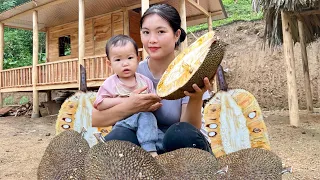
column 208, row 69
column 121, row 160
column 189, row 163
column 64, row 157
column 253, row 164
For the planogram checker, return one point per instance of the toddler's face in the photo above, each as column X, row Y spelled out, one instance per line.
column 124, row 60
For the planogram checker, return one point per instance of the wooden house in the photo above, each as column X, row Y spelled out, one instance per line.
column 76, row 33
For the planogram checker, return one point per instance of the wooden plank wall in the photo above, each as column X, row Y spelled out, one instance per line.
column 98, row 30
column 134, row 27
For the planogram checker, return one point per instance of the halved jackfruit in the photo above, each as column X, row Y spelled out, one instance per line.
column 234, row 121
column 201, row 59
column 76, row 113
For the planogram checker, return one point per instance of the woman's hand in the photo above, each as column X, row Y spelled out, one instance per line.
column 198, row 91
column 144, row 102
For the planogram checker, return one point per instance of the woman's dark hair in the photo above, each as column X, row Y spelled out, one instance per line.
column 168, row 13
column 120, row 40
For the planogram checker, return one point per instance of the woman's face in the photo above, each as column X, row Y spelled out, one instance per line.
column 158, row 37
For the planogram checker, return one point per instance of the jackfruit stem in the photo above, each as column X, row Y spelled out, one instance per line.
column 223, row 170
column 286, row 170
column 99, row 137
column 83, row 130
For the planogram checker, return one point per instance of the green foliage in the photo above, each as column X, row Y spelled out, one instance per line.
column 24, row 100
column 236, row 11
column 8, row 100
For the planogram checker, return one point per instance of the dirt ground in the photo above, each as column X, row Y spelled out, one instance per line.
column 261, row 72
column 23, row 142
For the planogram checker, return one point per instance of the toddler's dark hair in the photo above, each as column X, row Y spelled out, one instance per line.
column 120, row 40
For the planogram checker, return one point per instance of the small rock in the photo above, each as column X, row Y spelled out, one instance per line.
column 15, row 135
column 48, row 134
column 303, row 132
column 39, row 139
column 7, row 151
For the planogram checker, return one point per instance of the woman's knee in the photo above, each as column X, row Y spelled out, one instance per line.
column 123, row 134
column 182, row 135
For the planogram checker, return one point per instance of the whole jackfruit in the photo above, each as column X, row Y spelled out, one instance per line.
column 252, row 163
column 121, row 160
column 64, row 157
column 201, row 59
column 189, row 163
column 234, row 121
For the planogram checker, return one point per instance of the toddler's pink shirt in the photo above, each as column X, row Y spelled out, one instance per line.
column 112, row 87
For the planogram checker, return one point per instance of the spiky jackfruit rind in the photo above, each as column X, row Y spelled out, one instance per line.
column 189, row 163
column 64, row 157
column 207, row 68
column 248, row 104
column 252, row 163
column 121, row 160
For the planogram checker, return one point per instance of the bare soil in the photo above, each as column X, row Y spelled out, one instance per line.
column 261, row 72
column 23, row 141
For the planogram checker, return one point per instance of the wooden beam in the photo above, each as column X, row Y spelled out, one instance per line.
column 81, row 42
column 183, row 15
column 307, row 85
column 213, row 14
column 144, row 6
column 1, row 56
column 290, row 69
column 35, row 94
column 200, row 8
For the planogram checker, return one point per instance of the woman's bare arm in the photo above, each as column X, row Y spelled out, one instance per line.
column 135, row 103
column 191, row 112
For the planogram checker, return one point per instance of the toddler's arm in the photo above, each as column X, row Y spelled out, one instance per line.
column 110, row 102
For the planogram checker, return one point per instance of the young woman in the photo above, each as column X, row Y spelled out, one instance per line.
column 180, row 121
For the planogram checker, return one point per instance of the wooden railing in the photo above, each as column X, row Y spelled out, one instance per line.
column 58, row 72
column 97, row 68
column 17, row 77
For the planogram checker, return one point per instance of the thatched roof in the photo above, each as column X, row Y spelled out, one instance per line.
column 308, row 11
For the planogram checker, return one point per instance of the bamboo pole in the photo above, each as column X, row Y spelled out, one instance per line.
column 305, row 66
column 35, row 111
column 81, row 38
column 290, row 69
column 1, row 57
column 183, row 16
column 144, row 6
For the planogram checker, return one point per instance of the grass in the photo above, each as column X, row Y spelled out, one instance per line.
column 240, row 11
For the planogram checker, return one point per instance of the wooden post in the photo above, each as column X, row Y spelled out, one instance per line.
column 35, row 111
column 47, row 45
column 291, row 74
column 126, row 22
column 214, row 81
column 210, row 28
column 183, row 16
column 81, row 38
column 144, row 6
column 1, row 56
column 305, row 66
